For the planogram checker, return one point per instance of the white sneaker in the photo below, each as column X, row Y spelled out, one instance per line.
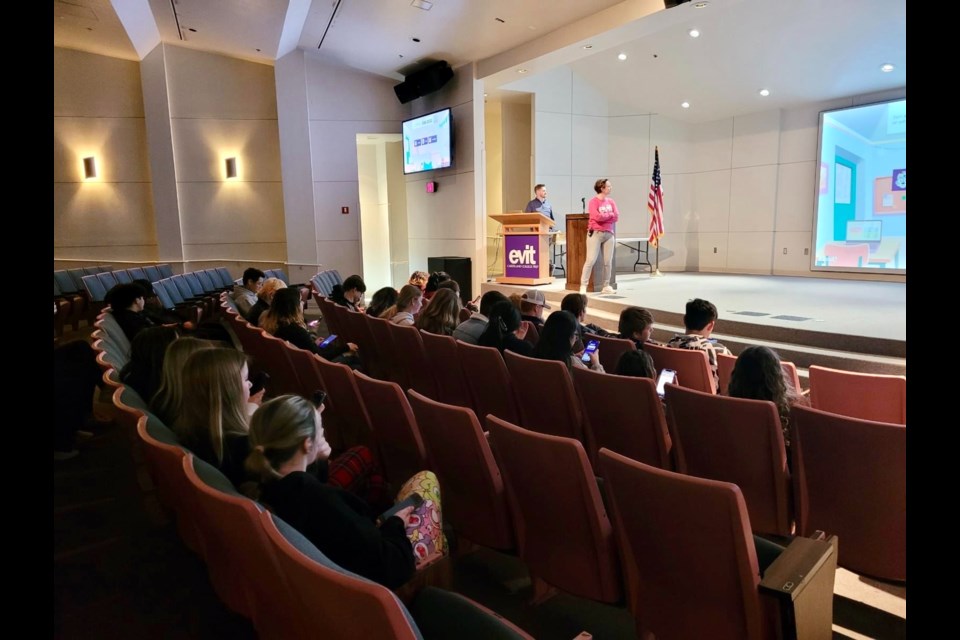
column 59, row 456
column 583, row 289
column 608, row 289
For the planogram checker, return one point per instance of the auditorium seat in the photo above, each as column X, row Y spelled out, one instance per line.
column 443, row 359
column 563, row 534
column 624, row 414
column 692, row 366
column 153, row 274
column 207, row 283
column 544, row 393
column 391, row 366
column 395, row 429
column 689, row 561
column 276, row 361
column 307, row 372
column 349, row 413
column 850, row 480
column 532, row 335
column 122, row 276
column 411, row 356
column 76, row 275
column 137, row 273
column 95, row 291
column 164, row 458
column 359, row 329
column 474, row 497
column 443, row 614
column 240, row 558
column 225, row 278
column 882, row 398
column 166, row 271
column 611, row 349
column 734, row 440
column 333, row 603
column 108, row 280
column 488, row 381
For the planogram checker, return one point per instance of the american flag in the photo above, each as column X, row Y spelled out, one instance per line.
column 655, row 202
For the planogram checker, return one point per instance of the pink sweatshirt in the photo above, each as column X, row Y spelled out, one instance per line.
column 603, row 214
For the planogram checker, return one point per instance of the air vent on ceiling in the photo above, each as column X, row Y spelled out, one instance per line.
column 422, row 4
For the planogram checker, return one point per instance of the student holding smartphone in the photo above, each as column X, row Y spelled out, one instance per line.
column 286, row 436
column 557, row 338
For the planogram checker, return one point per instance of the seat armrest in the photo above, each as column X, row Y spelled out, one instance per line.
column 801, row 581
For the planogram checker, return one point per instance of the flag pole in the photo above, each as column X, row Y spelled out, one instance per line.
column 656, row 273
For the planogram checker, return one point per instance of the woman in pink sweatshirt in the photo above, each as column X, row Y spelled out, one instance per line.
column 600, row 234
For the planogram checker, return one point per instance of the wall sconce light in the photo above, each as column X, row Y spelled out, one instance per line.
column 231, row 168
column 89, row 168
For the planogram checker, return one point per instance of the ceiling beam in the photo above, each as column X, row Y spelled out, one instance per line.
column 293, row 23
column 138, row 21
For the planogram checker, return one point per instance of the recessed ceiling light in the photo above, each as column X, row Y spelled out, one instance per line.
column 700, row 5
column 415, row 39
column 764, row 92
column 588, row 46
column 886, row 68
column 422, row 4
column 521, row 70
column 694, row 33
column 484, row 95
column 685, row 105
column 622, row 56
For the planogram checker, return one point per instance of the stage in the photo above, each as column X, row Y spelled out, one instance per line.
column 848, row 324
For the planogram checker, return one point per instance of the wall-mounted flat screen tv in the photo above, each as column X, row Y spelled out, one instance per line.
column 428, row 142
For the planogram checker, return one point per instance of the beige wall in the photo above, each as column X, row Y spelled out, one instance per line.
column 341, row 103
column 222, row 107
column 98, row 111
column 451, row 222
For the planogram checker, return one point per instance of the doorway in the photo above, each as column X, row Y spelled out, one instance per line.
column 384, row 238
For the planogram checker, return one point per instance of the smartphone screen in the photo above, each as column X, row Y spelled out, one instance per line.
column 667, row 376
column 591, row 347
column 327, row 340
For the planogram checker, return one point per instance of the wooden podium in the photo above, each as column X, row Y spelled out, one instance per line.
column 577, row 254
column 526, row 253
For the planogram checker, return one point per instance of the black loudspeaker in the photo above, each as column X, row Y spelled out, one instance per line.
column 459, row 269
column 425, row 81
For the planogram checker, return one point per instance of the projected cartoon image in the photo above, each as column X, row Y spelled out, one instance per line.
column 861, row 217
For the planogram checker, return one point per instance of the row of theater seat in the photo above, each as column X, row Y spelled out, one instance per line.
column 551, row 478
column 260, row 566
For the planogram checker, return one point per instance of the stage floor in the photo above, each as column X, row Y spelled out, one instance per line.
column 862, row 316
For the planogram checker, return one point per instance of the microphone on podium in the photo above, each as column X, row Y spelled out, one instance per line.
column 583, row 205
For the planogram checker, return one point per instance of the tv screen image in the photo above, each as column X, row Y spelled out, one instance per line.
column 428, row 142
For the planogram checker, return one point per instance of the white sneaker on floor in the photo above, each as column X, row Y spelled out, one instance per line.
column 64, row 455
column 608, row 289
column 583, row 289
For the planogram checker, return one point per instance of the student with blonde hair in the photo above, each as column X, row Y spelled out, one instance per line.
column 408, row 304
column 264, row 297
column 165, row 403
column 419, row 279
column 442, row 315
column 286, row 437
column 212, row 420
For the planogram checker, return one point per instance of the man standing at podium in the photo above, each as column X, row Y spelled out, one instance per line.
column 540, row 205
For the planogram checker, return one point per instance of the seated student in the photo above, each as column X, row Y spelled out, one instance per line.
column 505, row 331
column 350, row 293
column 143, row 372
column 470, row 329
column 442, row 315
column 382, row 300
column 285, row 321
column 407, row 306
column 758, row 375
column 165, row 403
column 636, row 324
column 556, row 342
column 286, row 436
column 576, row 303
column 419, row 279
column 455, row 286
column 264, row 297
column 212, row 422
column 127, row 304
column 433, row 283
column 532, row 304
column 699, row 320
column 245, row 295
column 638, row 364
column 153, row 308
